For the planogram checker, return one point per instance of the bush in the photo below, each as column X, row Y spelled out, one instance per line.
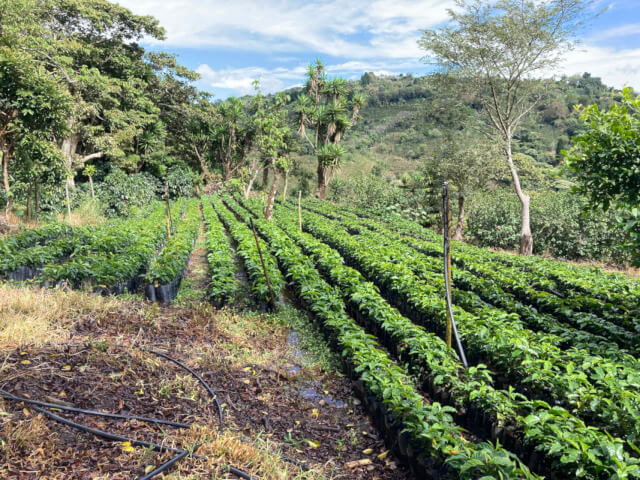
column 559, row 225
column 119, row 191
column 181, row 182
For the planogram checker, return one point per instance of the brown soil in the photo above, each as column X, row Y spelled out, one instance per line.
column 309, row 415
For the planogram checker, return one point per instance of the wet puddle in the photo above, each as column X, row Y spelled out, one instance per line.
column 313, row 392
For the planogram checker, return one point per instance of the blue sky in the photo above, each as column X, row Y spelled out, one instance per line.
column 232, row 42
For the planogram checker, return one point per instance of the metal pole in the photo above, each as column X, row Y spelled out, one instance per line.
column 451, row 322
column 264, row 268
column 299, row 209
column 447, row 264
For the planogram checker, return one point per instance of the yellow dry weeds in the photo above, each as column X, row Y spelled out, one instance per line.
column 32, row 315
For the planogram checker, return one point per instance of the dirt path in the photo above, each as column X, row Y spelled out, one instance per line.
column 193, row 287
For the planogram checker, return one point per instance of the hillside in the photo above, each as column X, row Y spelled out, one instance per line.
column 405, row 119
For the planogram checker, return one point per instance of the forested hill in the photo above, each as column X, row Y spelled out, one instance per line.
column 405, row 119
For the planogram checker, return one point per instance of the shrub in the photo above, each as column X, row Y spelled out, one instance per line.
column 559, row 224
column 119, row 191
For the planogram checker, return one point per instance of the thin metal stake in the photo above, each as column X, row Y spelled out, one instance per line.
column 300, row 209
column 451, row 322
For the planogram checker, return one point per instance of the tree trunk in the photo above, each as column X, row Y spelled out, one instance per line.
column 5, row 180
column 268, row 211
column 286, row 186
column 93, row 193
column 69, row 146
column 265, row 177
column 457, row 235
column 252, row 179
column 323, row 179
column 203, row 165
column 526, row 239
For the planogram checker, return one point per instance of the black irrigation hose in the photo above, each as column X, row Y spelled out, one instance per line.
column 10, row 396
column 140, row 443
column 200, row 379
column 106, row 435
column 166, row 465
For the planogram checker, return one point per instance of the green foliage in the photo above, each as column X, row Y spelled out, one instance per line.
column 606, row 162
column 170, row 264
column 558, row 221
column 181, row 180
column 120, row 192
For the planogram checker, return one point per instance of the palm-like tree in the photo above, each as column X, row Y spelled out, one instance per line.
column 335, row 88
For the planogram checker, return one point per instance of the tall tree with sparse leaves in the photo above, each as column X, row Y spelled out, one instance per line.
column 498, row 47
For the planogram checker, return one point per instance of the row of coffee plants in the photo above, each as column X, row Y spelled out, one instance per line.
column 570, row 448
column 592, row 289
column 247, row 250
column 120, row 268
column 36, row 236
column 167, row 269
column 600, row 391
column 617, row 327
column 616, row 322
column 426, row 434
column 223, row 286
column 580, row 330
column 25, row 263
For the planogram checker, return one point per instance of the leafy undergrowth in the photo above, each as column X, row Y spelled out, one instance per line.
column 280, row 391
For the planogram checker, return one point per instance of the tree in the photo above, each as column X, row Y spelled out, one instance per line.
column 91, row 46
column 234, row 136
column 468, row 163
column 327, row 111
column 605, row 161
column 90, row 171
column 498, row 47
column 273, row 140
column 32, row 107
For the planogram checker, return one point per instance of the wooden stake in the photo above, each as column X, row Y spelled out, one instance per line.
column 264, row 268
column 446, row 233
column 66, row 191
column 300, row 209
column 167, row 210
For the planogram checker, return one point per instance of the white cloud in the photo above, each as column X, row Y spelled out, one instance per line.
column 617, row 32
column 616, row 67
column 273, row 80
column 240, row 79
column 389, row 29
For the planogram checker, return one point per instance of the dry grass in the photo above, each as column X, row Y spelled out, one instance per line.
column 31, row 315
column 258, row 457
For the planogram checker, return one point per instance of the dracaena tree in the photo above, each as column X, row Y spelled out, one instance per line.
column 498, row 47
column 274, row 141
column 324, row 112
column 234, row 136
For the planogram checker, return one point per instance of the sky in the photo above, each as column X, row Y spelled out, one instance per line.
column 233, row 42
